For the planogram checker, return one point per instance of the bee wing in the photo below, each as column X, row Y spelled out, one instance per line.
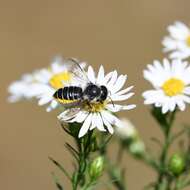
column 77, row 69
column 69, row 114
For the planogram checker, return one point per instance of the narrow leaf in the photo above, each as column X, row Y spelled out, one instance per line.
column 56, row 181
column 60, row 167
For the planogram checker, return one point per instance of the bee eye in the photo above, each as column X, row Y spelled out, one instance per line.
column 104, row 92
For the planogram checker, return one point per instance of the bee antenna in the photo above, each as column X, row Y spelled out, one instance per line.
column 111, row 101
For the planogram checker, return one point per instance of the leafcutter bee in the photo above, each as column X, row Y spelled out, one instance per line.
column 89, row 93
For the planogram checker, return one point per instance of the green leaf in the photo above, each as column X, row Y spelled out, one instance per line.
column 72, row 150
column 56, row 181
column 60, row 167
column 157, row 141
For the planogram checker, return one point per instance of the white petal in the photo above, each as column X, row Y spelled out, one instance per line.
column 122, row 97
column 169, row 44
column 181, row 104
column 111, row 118
column 172, row 104
column 124, row 91
column 187, row 90
column 91, row 74
column 93, row 121
column 108, row 125
column 44, row 100
column 52, row 106
column 85, row 127
column 119, row 83
column 151, row 96
column 185, row 98
column 179, row 54
column 107, row 78
column 116, row 107
column 100, row 76
column 112, row 80
column 165, row 108
column 178, row 31
column 99, row 122
column 80, row 117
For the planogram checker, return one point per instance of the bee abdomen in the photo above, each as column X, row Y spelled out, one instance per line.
column 69, row 93
column 58, row 94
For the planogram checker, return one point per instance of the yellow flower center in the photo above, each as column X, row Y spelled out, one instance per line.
column 188, row 40
column 57, row 80
column 95, row 106
column 173, row 87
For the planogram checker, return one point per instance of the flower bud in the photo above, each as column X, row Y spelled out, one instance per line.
column 176, row 164
column 126, row 131
column 96, row 168
column 137, row 148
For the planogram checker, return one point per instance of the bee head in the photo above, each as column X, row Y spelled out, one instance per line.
column 92, row 91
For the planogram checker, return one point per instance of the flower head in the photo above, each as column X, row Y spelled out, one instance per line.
column 99, row 114
column 43, row 83
column 178, row 41
column 171, row 85
column 127, row 130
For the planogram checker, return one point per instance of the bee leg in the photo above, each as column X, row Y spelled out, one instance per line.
column 88, row 103
column 101, row 101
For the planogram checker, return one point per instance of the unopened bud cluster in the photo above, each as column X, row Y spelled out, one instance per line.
column 130, row 139
column 96, row 168
column 176, row 164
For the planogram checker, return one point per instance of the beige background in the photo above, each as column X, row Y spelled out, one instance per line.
column 120, row 34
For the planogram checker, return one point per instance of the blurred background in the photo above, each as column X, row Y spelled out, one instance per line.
column 124, row 35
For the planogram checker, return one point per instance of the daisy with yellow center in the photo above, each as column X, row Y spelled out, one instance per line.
column 178, row 41
column 58, row 75
column 43, row 83
column 171, row 85
column 100, row 114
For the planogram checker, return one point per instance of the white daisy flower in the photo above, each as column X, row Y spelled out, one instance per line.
column 51, row 79
column 178, row 41
column 100, row 114
column 43, row 83
column 171, row 83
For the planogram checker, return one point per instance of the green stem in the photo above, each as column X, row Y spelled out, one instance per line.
column 84, row 151
column 148, row 160
column 115, row 174
column 177, row 187
column 167, row 129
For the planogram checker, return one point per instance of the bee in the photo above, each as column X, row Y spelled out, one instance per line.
column 76, row 94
